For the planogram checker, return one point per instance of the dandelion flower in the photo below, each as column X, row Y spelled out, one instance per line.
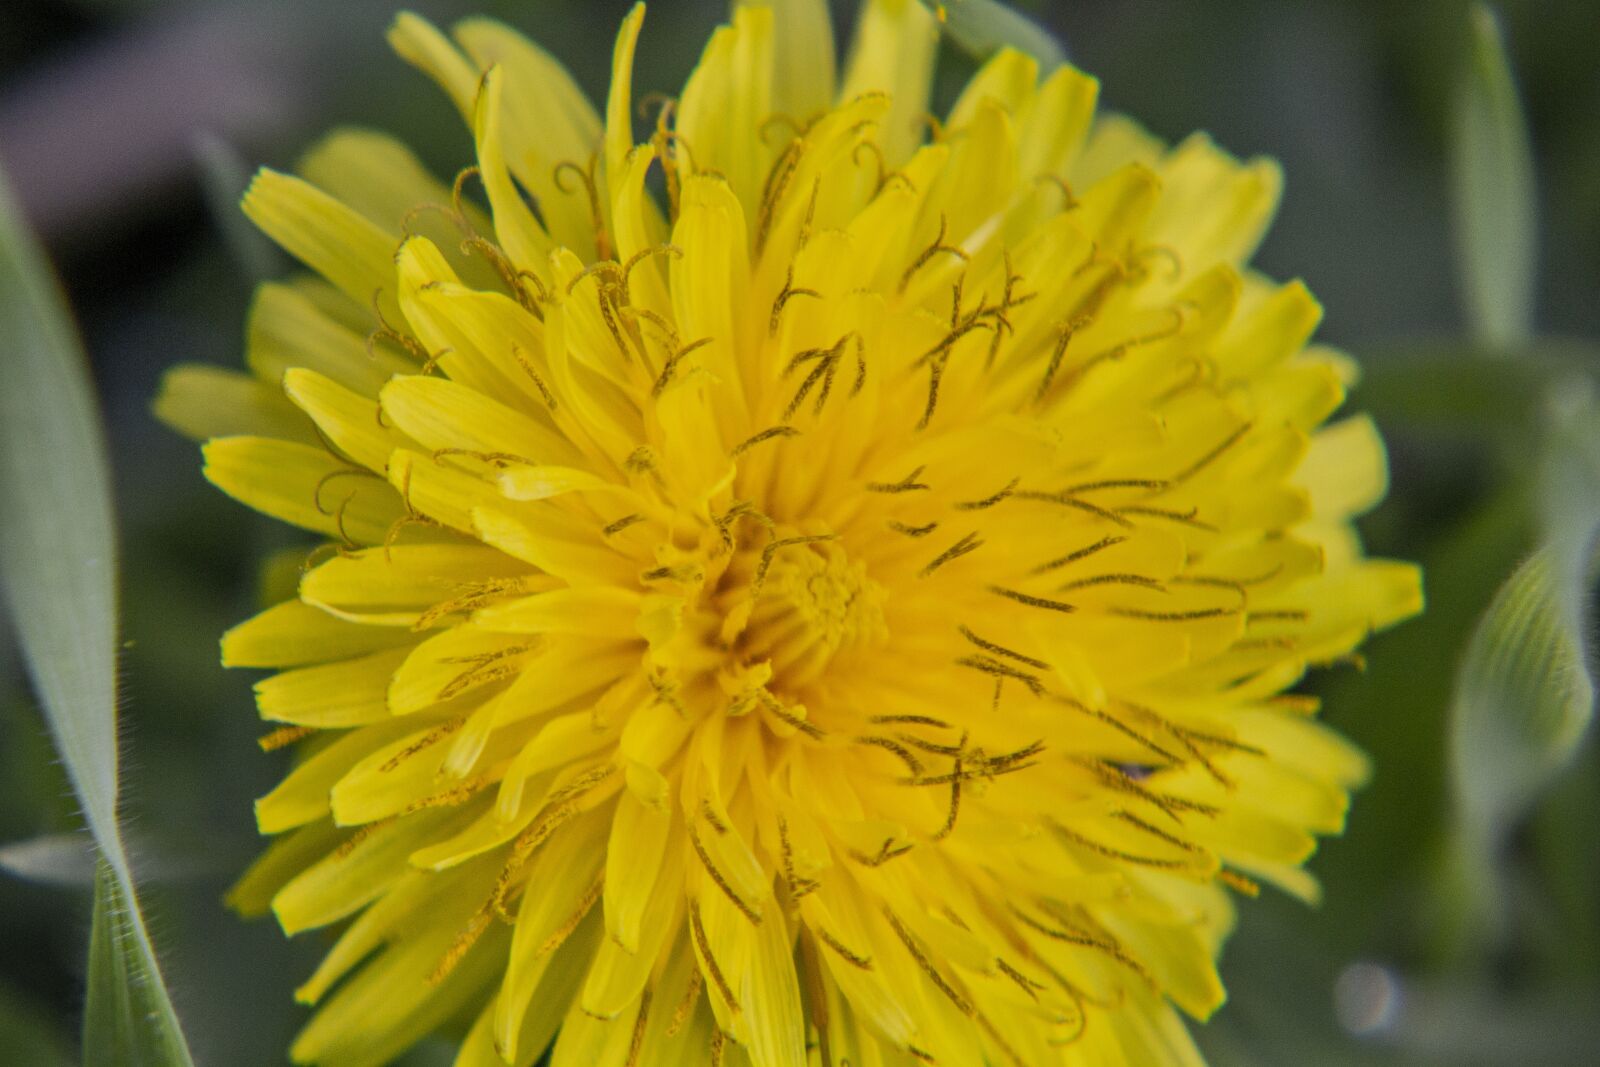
column 810, row 583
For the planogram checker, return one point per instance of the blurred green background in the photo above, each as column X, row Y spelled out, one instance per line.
column 129, row 126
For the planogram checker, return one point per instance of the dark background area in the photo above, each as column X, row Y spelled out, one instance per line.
column 129, row 126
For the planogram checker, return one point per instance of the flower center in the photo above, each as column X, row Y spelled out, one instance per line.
column 814, row 603
column 792, row 608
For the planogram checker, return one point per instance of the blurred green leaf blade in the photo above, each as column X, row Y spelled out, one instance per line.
column 983, row 27
column 57, row 570
column 224, row 176
column 1458, row 388
column 127, row 1018
column 1569, row 498
column 52, row 859
column 57, row 547
column 1523, row 700
column 1524, row 697
column 1495, row 191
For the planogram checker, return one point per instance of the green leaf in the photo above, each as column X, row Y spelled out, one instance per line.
column 1394, row 828
column 1496, row 213
column 983, row 27
column 57, row 569
column 1569, row 503
column 224, row 176
column 1459, row 391
column 68, row 860
column 57, row 554
column 1453, row 388
column 1523, row 700
column 54, row 859
column 127, row 1019
column 1525, row 693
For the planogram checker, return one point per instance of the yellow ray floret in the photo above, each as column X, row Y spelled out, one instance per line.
column 841, row 609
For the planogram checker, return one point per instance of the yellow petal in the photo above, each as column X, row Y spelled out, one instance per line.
column 395, row 586
column 347, row 419
column 595, row 415
column 442, row 414
column 292, row 634
column 1056, row 124
column 1115, row 209
column 1180, row 962
column 419, row 43
column 803, row 68
column 893, row 53
column 1270, row 331
column 401, row 777
column 619, row 973
column 202, row 402
column 288, row 329
column 390, row 1003
column 639, row 834
column 302, row 796
column 638, row 227
column 288, row 855
column 454, row 662
column 1006, row 80
column 560, row 741
column 564, row 670
column 546, row 122
column 542, row 483
column 332, row 239
column 596, row 611
column 556, row 111
column 872, row 994
column 564, row 868
column 556, row 991
column 409, row 897
column 734, row 863
column 302, row 485
column 553, row 541
column 771, row 994
column 1213, row 207
column 653, row 735
column 437, row 490
column 1114, row 141
column 727, row 98
column 354, row 875
column 381, row 178
column 981, row 173
column 428, row 292
column 619, row 102
column 1346, row 470
column 515, row 226
column 1306, row 745
column 708, row 288
column 346, row 693
column 487, row 833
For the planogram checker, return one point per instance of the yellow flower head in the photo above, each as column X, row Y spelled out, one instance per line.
column 817, row 586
